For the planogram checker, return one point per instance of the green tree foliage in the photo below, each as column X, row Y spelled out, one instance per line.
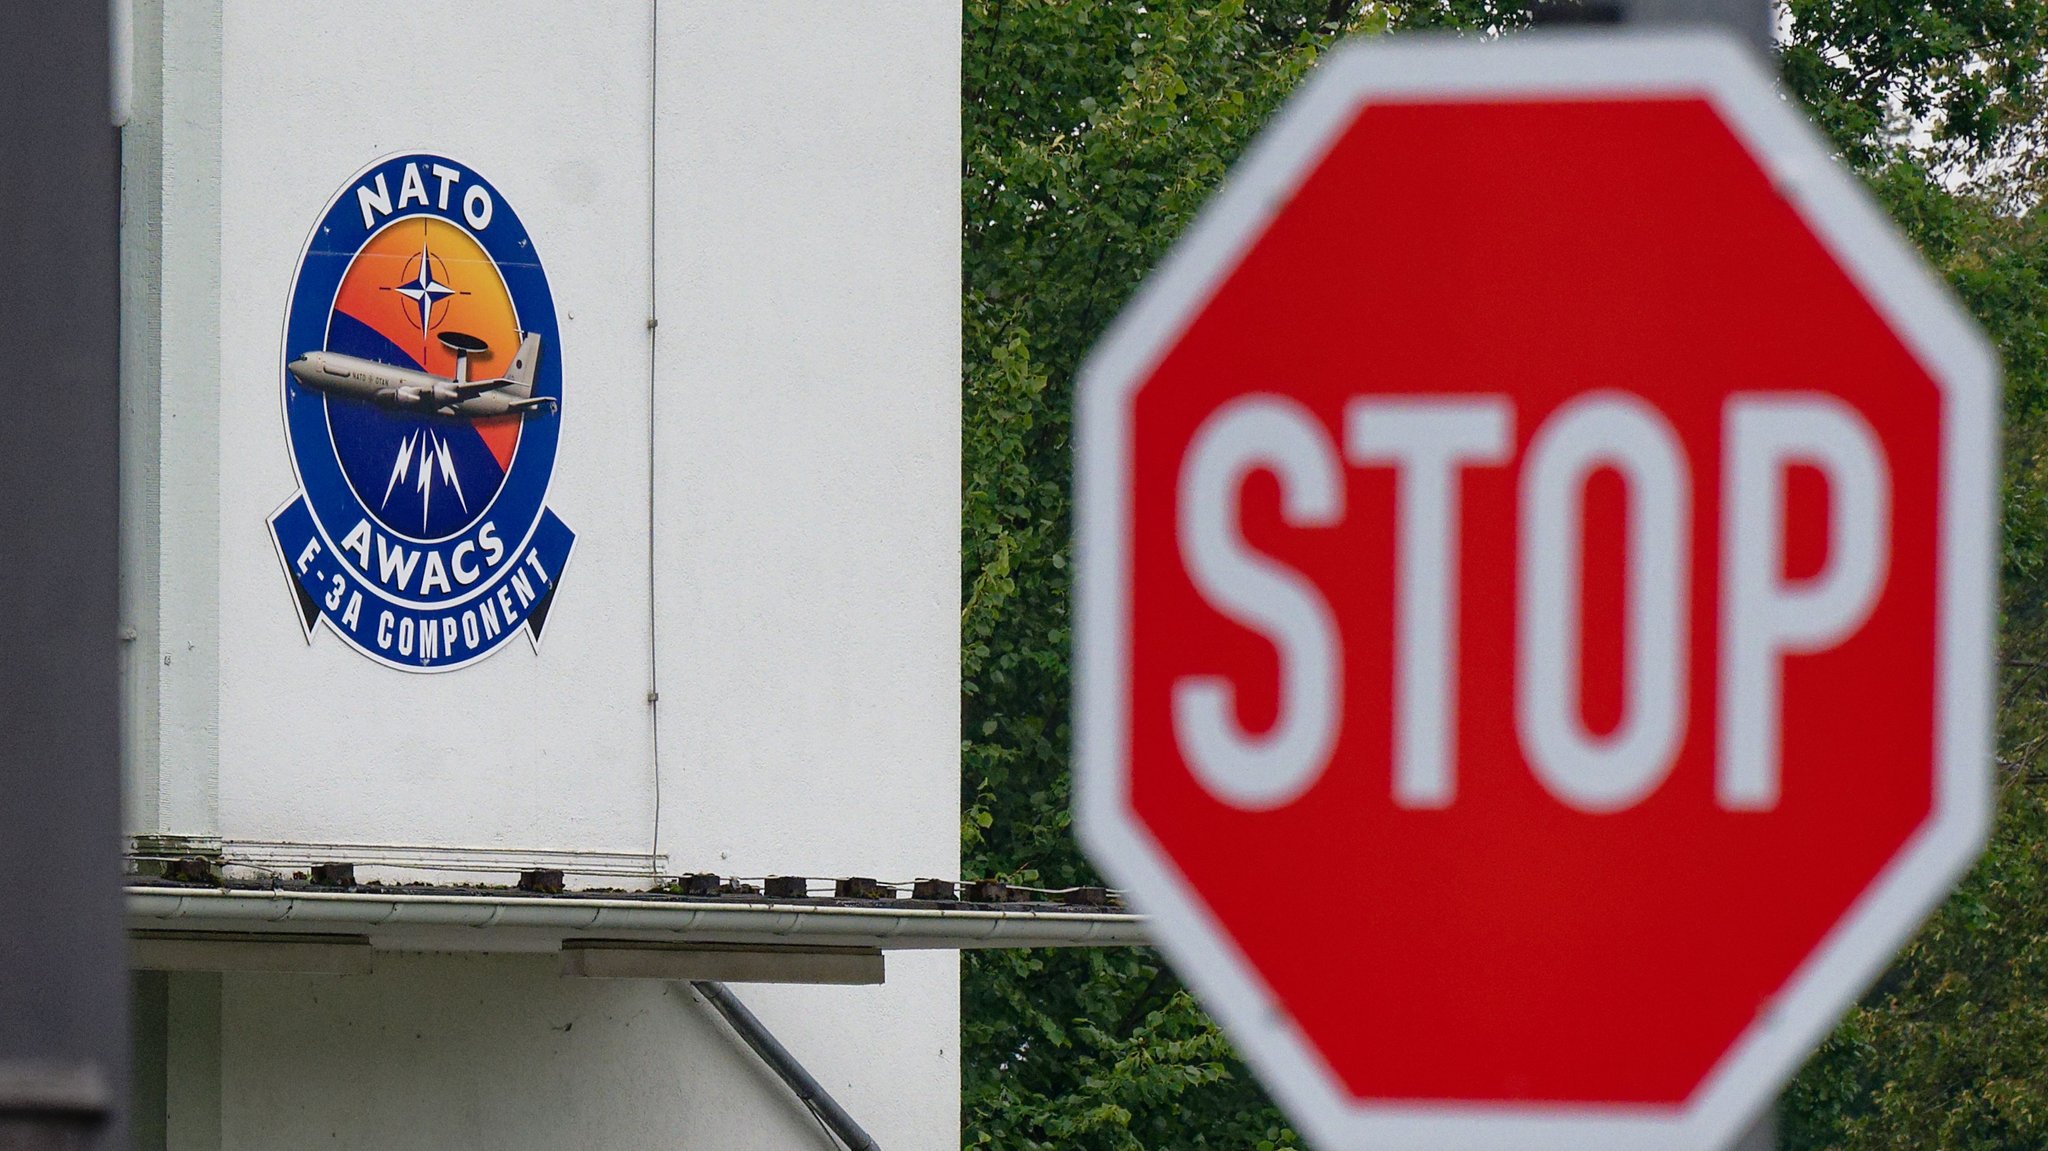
column 1956, row 86
column 1093, row 131
column 1941, row 106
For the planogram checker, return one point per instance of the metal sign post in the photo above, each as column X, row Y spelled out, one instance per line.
column 63, row 979
column 1747, row 20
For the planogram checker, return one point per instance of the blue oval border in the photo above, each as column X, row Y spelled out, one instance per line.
column 337, row 581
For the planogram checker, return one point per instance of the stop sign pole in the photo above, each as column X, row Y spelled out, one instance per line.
column 1536, row 539
column 1746, row 20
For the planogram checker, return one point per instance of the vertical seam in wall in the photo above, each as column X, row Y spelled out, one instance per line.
column 653, row 624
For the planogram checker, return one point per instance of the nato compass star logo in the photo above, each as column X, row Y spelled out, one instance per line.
column 421, row 284
column 422, row 380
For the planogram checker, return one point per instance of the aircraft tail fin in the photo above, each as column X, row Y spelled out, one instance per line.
column 524, row 361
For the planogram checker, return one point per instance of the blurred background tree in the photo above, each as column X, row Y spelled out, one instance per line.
column 1093, row 130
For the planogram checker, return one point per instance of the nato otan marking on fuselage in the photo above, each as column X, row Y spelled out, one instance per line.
column 411, row 390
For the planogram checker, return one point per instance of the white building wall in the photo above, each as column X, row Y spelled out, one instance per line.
column 807, row 491
column 542, row 750
column 778, row 184
column 808, row 479
column 170, row 434
column 498, row 1051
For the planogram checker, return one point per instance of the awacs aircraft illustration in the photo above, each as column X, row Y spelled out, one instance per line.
column 409, row 390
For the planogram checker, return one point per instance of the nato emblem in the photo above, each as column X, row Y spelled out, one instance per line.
column 422, row 382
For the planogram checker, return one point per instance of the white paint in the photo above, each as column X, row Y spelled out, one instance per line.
column 1272, row 768
column 1613, row 771
column 441, row 1050
column 121, row 60
column 1429, row 442
column 530, row 750
column 1768, row 618
column 170, row 365
column 806, row 490
column 141, row 416
column 1913, row 303
column 808, row 463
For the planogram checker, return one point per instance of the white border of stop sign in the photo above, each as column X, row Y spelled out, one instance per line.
column 1917, row 308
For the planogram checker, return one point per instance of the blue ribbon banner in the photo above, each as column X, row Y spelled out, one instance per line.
column 348, row 582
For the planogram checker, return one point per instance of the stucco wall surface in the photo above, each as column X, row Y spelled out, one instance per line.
column 445, row 1051
column 550, row 104
column 777, row 186
column 808, row 470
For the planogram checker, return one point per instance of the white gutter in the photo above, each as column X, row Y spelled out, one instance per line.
column 520, row 922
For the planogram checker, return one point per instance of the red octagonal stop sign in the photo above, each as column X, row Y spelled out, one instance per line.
column 1536, row 593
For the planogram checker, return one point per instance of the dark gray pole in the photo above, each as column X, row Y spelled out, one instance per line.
column 63, row 979
column 1748, row 20
column 1762, row 1135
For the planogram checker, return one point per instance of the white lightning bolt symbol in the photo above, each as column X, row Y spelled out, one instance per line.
column 398, row 469
column 433, row 451
column 426, row 492
column 448, row 471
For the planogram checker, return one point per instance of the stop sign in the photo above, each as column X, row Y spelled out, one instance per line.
column 1536, row 540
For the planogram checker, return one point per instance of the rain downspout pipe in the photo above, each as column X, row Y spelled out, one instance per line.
column 778, row 1058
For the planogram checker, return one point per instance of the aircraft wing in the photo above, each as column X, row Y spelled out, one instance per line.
column 469, row 388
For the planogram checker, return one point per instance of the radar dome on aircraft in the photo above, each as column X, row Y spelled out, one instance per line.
column 464, row 344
